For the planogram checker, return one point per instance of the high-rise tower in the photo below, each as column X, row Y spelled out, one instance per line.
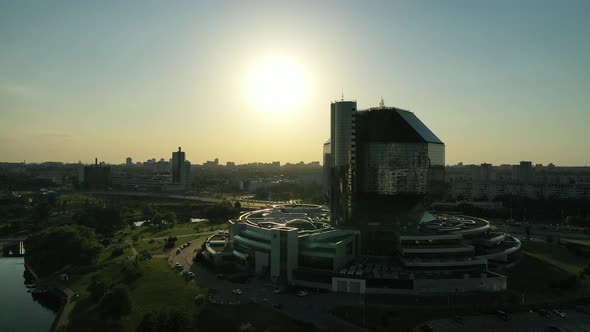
column 342, row 157
column 384, row 161
column 177, row 166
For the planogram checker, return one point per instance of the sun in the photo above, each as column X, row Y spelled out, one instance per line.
column 278, row 85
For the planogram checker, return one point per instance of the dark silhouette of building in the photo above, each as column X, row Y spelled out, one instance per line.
column 177, row 166
column 96, row 176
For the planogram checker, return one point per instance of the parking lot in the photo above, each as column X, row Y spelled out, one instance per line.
column 518, row 322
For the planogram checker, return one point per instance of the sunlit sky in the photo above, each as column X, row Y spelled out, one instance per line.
column 497, row 81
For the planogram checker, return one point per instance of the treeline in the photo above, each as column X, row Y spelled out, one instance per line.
column 56, row 247
column 284, row 191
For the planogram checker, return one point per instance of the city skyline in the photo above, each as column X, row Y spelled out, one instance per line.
column 499, row 82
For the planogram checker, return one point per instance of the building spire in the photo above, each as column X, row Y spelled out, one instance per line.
column 382, row 103
column 342, row 95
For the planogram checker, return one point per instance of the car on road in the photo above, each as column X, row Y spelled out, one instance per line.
column 191, row 275
column 178, row 267
column 277, row 291
column 542, row 313
column 178, row 251
column 559, row 313
column 237, row 291
column 302, row 293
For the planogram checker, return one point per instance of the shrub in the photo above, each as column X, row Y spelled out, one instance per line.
column 199, row 299
column 117, row 252
column 116, row 303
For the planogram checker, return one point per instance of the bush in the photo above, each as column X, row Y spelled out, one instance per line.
column 97, row 288
column 170, row 242
column 199, row 299
column 169, row 319
column 117, row 252
column 131, row 272
column 116, row 303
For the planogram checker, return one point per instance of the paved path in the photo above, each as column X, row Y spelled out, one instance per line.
column 64, row 318
column 519, row 322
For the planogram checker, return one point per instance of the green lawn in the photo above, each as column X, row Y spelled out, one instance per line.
column 158, row 287
column 215, row 317
column 555, row 255
column 154, row 247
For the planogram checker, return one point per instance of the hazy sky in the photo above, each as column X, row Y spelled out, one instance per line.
column 497, row 81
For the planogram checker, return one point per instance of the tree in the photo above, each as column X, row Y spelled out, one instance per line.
column 55, row 247
column 97, row 288
column 116, row 303
column 41, row 212
column 164, row 320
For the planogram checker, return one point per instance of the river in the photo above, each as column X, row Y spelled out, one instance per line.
column 20, row 310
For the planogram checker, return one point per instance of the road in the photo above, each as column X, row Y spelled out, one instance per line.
column 519, row 322
column 207, row 199
column 311, row 308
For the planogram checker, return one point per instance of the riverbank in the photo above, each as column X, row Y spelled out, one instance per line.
column 66, row 294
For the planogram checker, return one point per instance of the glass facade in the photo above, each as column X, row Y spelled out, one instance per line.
column 393, row 168
column 342, row 156
column 385, row 160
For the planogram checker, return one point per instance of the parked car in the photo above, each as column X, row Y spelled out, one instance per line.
column 543, row 313
column 553, row 328
column 237, row 291
column 302, row 293
column 277, row 306
column 458, row 320
column 580, row 308
column 559, row 313
column 220, row 276
column 277, row 291
column 503, row 315
column 178, row 251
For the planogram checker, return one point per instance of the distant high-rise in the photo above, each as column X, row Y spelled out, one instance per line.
column 178, row 167
column 128, row 161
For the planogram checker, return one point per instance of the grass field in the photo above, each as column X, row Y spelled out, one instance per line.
column 158, row 287
column 555, row 255
column 215, row 317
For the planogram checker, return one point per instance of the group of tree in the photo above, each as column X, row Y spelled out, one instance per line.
column 222, row 211
column 284, row 191
column 105, row 219
column 55, row 247
column 116, row 303
column 164, row 320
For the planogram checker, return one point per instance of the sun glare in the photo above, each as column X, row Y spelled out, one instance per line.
column 278, row 85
